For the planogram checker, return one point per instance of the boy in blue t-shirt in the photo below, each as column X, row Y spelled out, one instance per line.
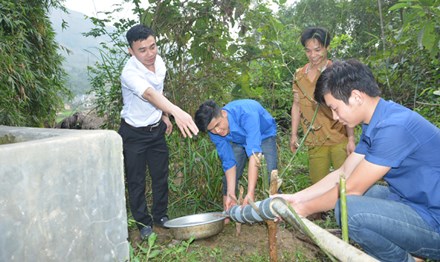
column 398, row 222
column 240, row 130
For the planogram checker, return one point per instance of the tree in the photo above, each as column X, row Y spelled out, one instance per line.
column 410, row 60
column 399, row 40
column 225, row 50
column 32, row 82
column 199, row 43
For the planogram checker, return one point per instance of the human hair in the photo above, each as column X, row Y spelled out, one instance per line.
column 342, row 77
column 138, row 32
column 206, row 112
column 319, row 33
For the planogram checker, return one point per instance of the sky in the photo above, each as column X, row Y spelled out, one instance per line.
column 92, row 7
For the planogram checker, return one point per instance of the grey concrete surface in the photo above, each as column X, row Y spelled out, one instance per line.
column 62, row 195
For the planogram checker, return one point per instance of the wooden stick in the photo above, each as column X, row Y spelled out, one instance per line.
column 272, row 227
column 239, row 202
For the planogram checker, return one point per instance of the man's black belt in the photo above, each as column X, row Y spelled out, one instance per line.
column 146, row 128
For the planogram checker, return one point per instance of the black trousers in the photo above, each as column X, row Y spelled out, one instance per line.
column 142, row 147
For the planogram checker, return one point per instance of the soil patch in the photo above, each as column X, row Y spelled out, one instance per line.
column 252, row 242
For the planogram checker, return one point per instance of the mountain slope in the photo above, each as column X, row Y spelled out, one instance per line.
column 82, row 50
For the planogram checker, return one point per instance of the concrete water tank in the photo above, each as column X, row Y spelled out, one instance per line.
column 62, row 195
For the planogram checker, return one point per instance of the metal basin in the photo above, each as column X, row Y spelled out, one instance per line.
column 198, row 226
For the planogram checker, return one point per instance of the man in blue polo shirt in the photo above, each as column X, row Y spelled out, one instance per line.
column 397, row 222
column 241, row 130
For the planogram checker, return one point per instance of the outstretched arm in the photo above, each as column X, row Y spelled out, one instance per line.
column 323, row 195
column 183, row 120
column 307, row 200
column 357, row 184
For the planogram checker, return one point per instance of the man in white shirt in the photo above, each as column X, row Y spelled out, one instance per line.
column 144, row 123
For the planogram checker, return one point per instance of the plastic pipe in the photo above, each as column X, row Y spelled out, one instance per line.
column 248, row 214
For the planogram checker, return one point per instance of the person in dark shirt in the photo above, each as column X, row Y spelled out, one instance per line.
column 396, row 222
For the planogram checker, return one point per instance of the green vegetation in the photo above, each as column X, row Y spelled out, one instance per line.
column 225, row 50
column 222, row 50
column 32, row 81
column 206, row 61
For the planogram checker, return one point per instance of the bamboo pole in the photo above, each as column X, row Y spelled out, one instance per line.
column 302, row 140
column 239, row 202
column 343, row 199
column 332, row 246
column 272, row 226
column 270, row 186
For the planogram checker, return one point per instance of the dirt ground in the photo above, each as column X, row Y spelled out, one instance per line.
column 252, row 241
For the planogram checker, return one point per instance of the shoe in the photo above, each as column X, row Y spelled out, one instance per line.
column 146, row 232
column 162, row 221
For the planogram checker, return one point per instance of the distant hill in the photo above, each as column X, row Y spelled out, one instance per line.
column 83, row 49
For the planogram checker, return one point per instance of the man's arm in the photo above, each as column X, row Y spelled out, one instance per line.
column 183, row 120
column 364, row 175
column 330, row 180
column 252, row 178
column 230, row 197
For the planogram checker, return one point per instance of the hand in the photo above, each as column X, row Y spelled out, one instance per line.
column 185, row 123
column 290, row 198
column 229, row 201
column 294, row 143
column 292, row 201
column 167, row 121
column 246, row 199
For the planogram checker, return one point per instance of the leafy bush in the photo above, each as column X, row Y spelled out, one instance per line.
column 32, row 79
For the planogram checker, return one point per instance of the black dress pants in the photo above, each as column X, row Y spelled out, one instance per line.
column 142, row 147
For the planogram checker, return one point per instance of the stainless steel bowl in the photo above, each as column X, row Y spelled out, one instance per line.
column 198, row 226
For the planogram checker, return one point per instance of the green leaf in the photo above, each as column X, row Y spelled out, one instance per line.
column 399, row 6
column 154, row 254
column 427, row 2
column 429, row 36
column 152, row 239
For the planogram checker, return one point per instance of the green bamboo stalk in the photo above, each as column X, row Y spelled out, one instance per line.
column 343, row 199
column 265, row 175
column 310, row 127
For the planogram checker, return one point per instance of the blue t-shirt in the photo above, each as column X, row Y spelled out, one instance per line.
column 249, row 125
column 400, row 138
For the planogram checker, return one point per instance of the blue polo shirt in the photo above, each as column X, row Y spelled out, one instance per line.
column 249, row 125
column 400, row 138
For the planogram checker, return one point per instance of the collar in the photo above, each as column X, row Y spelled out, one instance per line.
column 377, row 116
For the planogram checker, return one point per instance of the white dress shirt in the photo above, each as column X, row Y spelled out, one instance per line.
column 135, row 79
